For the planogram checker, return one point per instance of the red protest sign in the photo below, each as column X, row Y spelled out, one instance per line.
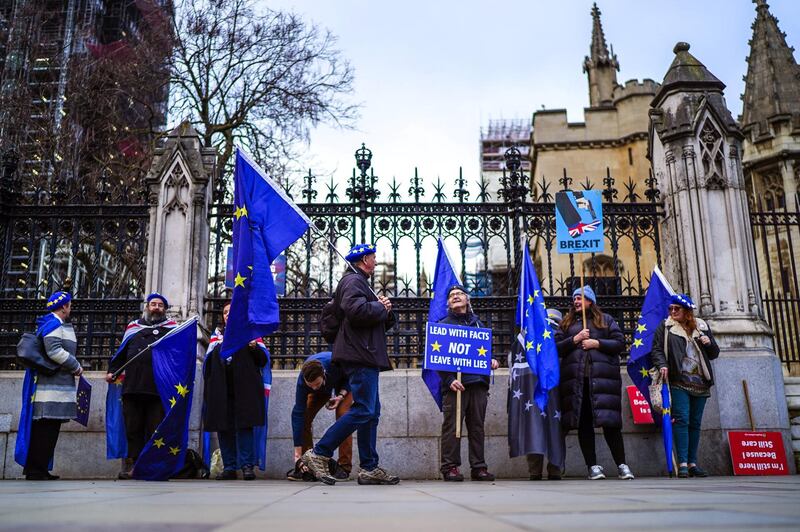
column 757, row 453
column 639, row 407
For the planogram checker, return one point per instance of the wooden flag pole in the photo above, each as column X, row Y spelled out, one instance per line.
column 458, row 408
column 747, row 404
column 583, row 307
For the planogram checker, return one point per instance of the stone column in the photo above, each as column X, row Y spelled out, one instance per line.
column 695, row 150
column 179, row 184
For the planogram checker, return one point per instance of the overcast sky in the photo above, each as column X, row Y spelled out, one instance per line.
column 431, row 73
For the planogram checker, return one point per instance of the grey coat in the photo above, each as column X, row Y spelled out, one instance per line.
column 55, row 394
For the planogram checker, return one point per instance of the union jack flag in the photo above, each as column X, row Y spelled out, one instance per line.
column 581, row 228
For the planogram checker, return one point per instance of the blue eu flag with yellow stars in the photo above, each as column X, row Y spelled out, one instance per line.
column 535, row 335
column 654, row 310
column 174, row 362
column 444, row 277
column 265, row 223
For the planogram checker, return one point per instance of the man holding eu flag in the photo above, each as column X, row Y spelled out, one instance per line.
column 360, row 348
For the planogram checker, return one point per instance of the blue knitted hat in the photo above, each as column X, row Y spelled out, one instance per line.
column 156, row 295
column 58, row 300
column 588, row 293
column 359, row 250
column 682, row 300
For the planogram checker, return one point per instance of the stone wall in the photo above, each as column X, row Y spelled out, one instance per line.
column 408, row 435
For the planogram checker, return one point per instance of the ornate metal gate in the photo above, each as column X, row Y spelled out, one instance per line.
column 407, row 218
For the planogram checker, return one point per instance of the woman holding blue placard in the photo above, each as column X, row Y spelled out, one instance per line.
column 591, row 386
column 474, row 398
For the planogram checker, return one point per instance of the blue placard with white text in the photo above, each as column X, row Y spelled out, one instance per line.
column 457, row 348
column 579, row 221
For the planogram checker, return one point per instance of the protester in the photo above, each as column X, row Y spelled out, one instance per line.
column 474, row 398
column 591, row 386
column 531, row 432
column 54, row 401
column 360, row 349
column 319, row 384
column 683, row 349
column 141, row 403
column 233, row 403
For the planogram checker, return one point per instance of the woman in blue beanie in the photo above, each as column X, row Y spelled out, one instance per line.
column 591, row 386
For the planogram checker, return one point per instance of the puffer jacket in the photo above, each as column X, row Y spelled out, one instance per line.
column 605, row 383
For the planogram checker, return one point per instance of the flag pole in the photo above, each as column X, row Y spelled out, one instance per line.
column 583, row 306
column 458, row 407
column 116, row 374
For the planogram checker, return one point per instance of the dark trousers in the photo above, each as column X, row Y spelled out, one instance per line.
column 314, row 403
column 362, row 418
column 237, row 447
column 536, row 465
column 143, row 414
column 44, row 435
column 613, row 436
column 473, row 411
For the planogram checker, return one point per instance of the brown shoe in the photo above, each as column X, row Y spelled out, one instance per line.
column 482, row 474
column 453, row 475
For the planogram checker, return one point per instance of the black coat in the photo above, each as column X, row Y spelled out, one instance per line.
column 605, row 382
column 361, row 339
column 139, row 378
column 678, row 339
column 233, row 394
column 466, row 320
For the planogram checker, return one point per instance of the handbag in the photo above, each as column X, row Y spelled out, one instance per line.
column 656, row 380
column 31, row 354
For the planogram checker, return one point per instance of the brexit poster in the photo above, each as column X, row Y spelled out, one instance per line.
column 457, row 348
column 579, row 222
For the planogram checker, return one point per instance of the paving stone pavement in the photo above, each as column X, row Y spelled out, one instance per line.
column 724, row 503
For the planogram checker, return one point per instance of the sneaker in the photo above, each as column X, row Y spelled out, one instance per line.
column 318, row 466
column 683, row 472
column 378, row 476
column 127, row 469
column 481, row 474
column 596, row 472
column 624, row 472
column 696, row 471
column 227, row 474
column 248, row 473
column 453, row 475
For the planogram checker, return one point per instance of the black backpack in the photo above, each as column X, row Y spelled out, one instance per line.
column 330, row 320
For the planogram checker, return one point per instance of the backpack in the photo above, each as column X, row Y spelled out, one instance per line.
column 330, row 320
column 193, row 466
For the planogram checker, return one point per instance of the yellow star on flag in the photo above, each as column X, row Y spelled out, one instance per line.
column 546, row 334
column 158, row 443
column 637, row 342
column 182, row 390
column 529, row 345
column 481, row 351
column 530, row 299
column 666, row 411
column 172, row 402
column 644, row 372
column 240, row 211
column 239, row 280
column 641, row 328
column 436, row 346
column 535, row 293
column 174, row 451
column 538, row 348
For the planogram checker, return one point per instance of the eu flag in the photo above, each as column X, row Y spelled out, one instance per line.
column 535, row 335
column 654, row 310
column 84, row 400
column 265, row 223
column 444, row 277
column 173, row 371
column 260, row 432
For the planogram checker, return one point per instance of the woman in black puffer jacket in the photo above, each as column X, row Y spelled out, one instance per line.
column 591, row 387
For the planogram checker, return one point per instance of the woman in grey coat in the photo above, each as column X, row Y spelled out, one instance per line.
column 54, row 401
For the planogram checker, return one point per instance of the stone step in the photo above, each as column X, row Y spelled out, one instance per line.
column 796, row 446
column 791, row 390
column 796, row 432
column 791, row 380
column 793, row 421
column 793, row 402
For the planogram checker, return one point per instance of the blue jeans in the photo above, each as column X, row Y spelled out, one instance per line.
column 362, row 417
column 237, row 448
column 687, row 411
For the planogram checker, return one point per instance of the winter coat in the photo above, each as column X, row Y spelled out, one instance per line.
column 361, row 340
column 233, row 394
column 678, row 339
column 55, row 394
column 139, row 378
column 468, row 319
column 605, row 383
